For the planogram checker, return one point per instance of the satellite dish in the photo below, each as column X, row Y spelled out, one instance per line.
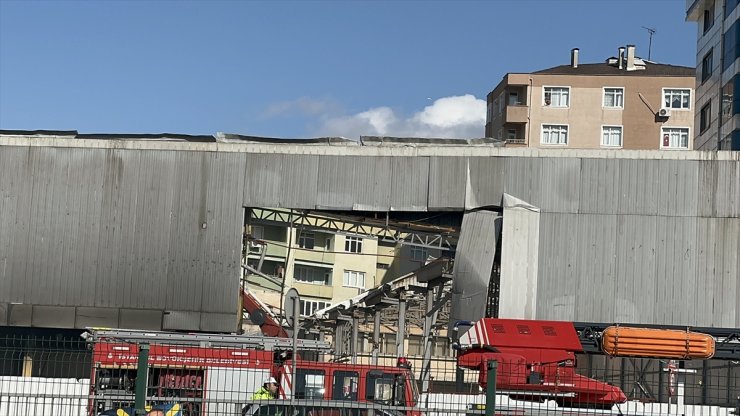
column 290, row 298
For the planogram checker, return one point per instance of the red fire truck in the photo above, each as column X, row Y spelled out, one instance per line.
column 217, row 374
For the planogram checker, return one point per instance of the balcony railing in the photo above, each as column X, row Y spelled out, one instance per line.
column 516, row 141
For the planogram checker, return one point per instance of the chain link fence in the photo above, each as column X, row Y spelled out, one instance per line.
column 64, row 374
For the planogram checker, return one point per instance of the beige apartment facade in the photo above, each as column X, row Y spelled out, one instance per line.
column 326, row 266
column 596, row 106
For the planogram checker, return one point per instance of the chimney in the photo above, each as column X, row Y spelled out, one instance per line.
column 574, row 57
column 631, row 57
column 620, row 58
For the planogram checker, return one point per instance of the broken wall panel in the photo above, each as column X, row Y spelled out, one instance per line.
column 474, row 259
column 519, row 259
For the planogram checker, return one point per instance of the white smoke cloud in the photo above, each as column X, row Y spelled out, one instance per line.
column 462, row 116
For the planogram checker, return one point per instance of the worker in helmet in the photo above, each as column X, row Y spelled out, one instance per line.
column 268, row 391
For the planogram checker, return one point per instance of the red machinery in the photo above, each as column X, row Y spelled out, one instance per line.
column 260, row 314
column 536, row 360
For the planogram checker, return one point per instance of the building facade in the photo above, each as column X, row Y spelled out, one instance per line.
column 326, row 266
column 623, row 103
column 717, row 70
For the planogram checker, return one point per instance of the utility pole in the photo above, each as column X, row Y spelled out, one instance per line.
column 651, row 31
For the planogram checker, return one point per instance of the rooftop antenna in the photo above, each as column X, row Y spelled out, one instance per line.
column 651, row 31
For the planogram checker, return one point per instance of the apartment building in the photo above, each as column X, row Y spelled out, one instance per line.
column 717, row 70
column 623, row 103
column 325, row 265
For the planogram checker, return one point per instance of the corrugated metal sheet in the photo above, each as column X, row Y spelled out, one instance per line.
column 719, row 189
column 599, row 180
column 718, row 273
column 638, row 268
column 355, row 182
column 520, row 238
column 447, row 183
column 108, row 228
column 484, row 186
column 409, row 183
column 476, row 249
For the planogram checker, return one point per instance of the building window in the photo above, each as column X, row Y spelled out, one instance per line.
column 510, row 134
column 675, row 138
column 419, row 253
column 514, row 98
column 730, row 45
column 312, row 275
column 614, row 97
column 611, row 136
column 554, row 134
column 677, row 98
column 353, row 244
column 709, row 18
column 306, row 240
column 706, row 65
column 728, row 96
column 730, row 7
column 354, row 279
column 705, row 117
column 557, row 96
column 309, row 307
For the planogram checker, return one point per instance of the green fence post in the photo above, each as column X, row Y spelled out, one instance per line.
column 142, row 377
column 491, row 388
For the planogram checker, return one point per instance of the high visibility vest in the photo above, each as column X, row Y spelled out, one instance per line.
column 262, row 394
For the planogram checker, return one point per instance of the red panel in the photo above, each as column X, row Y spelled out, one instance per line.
column 519, row 333
column 169, row 355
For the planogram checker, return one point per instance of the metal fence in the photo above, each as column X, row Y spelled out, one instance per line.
column 64, row 374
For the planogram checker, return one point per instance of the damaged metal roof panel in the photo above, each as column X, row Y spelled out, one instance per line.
column 238, row 138
column 427, row 141
column 484, row 182
column 476, row 250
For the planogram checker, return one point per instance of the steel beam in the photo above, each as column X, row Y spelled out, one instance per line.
column 376, row 336
column 401, row 335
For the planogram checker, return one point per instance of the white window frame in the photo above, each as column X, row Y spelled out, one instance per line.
column 603, row 98
column 351, row 278
column 621, row 136
column 688, row 137
column 352, row 244
column 303, row 276
column 308, row 307
column 544, row 92
column 663, row 95
column 542, row 134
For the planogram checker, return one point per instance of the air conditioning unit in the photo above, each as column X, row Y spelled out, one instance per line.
column 664, row 112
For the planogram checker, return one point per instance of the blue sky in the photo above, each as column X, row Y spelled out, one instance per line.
column 300, row 69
